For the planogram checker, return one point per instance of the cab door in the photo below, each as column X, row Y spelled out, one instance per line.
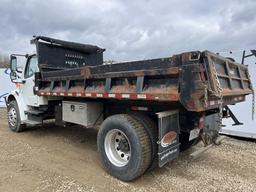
column 29, row 81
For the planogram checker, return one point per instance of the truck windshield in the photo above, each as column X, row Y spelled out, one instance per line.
column 31, row 67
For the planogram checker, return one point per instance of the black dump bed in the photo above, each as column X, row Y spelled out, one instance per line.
column 198, row 80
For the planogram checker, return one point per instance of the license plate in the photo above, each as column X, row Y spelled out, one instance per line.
column 194, row 134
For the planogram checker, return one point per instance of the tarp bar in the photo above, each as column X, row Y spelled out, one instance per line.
column 86, row 48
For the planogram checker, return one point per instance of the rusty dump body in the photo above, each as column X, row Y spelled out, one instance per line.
column 198, row 81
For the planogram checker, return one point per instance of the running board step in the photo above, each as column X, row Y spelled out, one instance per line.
column 31, row 122
column 34, row 112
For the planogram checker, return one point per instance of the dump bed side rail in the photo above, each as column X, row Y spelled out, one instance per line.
column 156, row 79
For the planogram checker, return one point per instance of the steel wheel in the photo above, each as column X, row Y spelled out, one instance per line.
column 124, row 147
column 117, row 147
column 12, row 116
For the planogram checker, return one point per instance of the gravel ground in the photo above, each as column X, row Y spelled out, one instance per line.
column 59, row 159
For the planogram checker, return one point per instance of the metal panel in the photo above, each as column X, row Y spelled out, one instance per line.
column 232, row 76
column 87, row 114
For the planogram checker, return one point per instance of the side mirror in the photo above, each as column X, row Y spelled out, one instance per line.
column 13, row 66
column 13, row 63
column 13, row 75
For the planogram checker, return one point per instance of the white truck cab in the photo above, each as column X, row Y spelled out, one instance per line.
column 23, row 99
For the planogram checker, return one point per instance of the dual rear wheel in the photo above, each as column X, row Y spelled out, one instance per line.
column 125, row 146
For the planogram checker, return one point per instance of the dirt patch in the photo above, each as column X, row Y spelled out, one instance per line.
column 52, row 158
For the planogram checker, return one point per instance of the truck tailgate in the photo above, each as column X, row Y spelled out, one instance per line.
column 228, row 78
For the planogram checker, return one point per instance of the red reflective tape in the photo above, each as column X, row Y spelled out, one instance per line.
column 133, row 96
column 105, row 94
column 150, row 97
column 112, row 95
column 82, row 94
column 94, row 94
column 118, row 95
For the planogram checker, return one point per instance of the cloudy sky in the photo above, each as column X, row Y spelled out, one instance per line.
column 134, row 29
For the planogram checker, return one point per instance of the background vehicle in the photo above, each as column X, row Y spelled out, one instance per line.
column 148, row 110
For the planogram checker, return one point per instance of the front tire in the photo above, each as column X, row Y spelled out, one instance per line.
column 14, row 117
column 124, row 147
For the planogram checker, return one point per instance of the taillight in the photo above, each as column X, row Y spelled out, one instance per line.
column 201, row 123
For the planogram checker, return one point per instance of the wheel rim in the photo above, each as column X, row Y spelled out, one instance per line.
column 12, row 116
column 117, row 147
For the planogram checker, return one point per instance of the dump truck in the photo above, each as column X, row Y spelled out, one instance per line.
column 147, row 111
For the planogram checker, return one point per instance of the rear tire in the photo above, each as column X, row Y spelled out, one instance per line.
column 14, row 117
column 152, row 131
column 124, row 147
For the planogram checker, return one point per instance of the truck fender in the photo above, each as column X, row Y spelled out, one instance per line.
column 15, row 95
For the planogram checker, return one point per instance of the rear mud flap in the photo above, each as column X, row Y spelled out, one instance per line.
column 169, row 130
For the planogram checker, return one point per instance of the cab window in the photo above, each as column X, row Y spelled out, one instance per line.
column 31, row 67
